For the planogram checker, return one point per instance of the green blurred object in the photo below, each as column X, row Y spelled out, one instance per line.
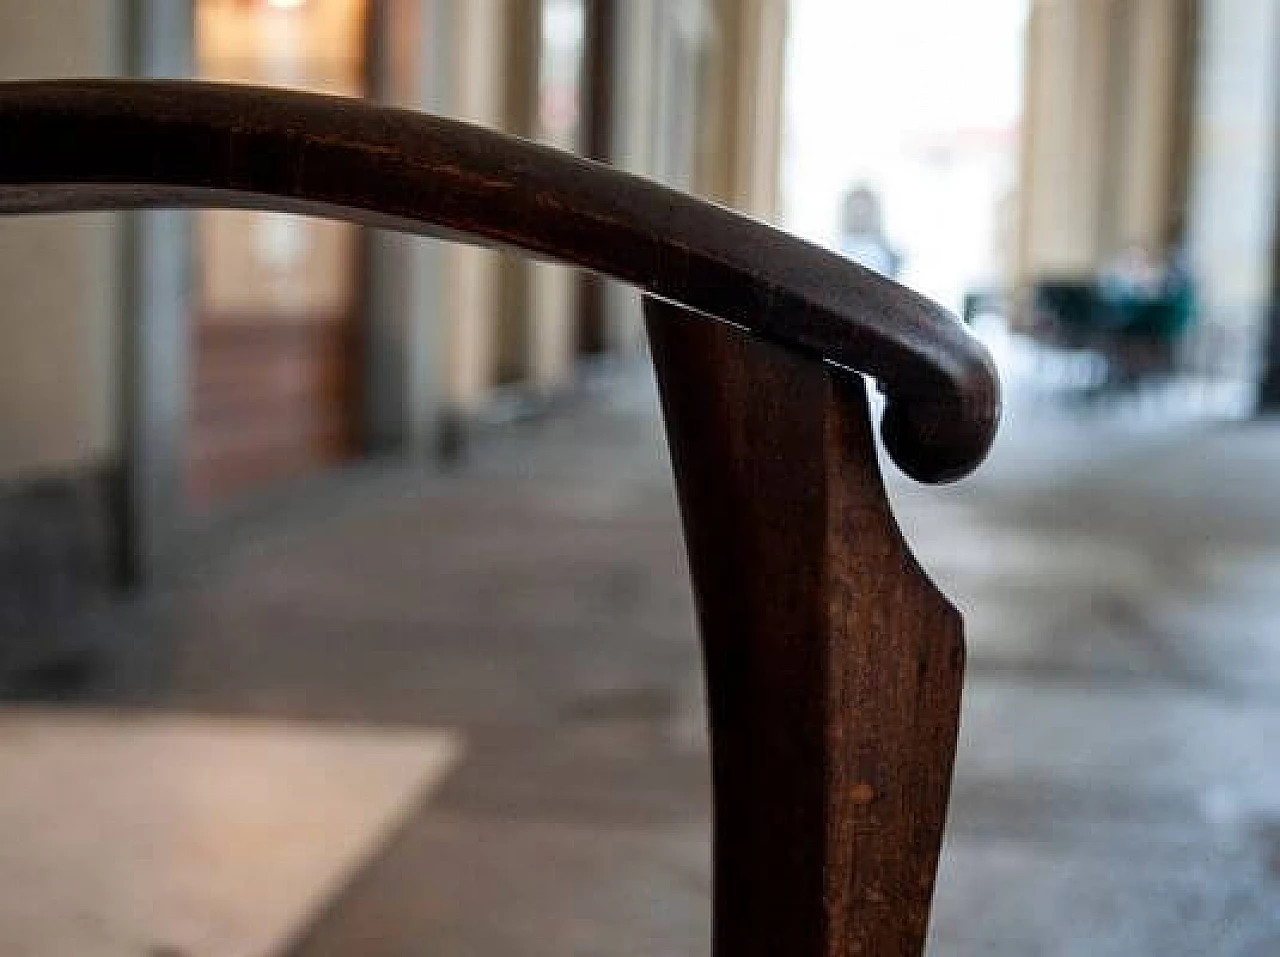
column 1135, row 331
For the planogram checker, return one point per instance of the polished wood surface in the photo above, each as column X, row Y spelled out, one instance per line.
column 166, row 143
column 833, row 665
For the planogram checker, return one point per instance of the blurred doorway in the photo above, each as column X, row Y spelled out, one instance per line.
column 912, row 109
column 276, row 373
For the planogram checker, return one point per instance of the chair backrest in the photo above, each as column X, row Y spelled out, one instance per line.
column 834, row 666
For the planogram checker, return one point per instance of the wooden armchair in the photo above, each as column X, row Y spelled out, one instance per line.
column 833, row 665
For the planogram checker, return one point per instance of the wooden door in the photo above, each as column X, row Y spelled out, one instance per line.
column 276, row 338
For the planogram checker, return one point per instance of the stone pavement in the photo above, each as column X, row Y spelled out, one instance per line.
column 1118, row 788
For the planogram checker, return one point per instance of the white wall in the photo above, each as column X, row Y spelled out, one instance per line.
column 59, row 276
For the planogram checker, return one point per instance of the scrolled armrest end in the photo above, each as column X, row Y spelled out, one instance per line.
column 943, row 434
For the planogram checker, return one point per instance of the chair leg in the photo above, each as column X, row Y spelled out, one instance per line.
column 833, row 665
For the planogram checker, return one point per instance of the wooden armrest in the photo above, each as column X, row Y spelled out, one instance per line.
column 95, row 144
column 833, row 664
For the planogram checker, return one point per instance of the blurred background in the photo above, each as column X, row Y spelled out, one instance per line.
column 343, row 607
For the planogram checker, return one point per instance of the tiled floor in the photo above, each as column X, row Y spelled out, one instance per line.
column 1117, row 792
column 146, row 834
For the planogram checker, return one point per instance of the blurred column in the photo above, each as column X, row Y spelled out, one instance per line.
column 740, row 137
column 476, row 324
column 60, row 274
column 1151, row 104
column 1269, row 392
column 657, row 55
column 60, row 372
column 155, row 308
column 472, row 32
column 561, row 42
column 405, row 321
column 596, row 142
column 1064, row 138
column 631, row 146
column 1234, row 168
column 516, row 325
column 1106, row 132
column 445, row 319
column 1269, row 389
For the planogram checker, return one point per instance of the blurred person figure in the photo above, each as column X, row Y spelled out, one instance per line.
column 862, row 236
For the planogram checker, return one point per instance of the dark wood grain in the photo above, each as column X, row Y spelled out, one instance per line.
column 833, row 665
column 82, row 144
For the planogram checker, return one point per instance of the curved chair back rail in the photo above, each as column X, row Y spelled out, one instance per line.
column 833, row 665
column 102, row 144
